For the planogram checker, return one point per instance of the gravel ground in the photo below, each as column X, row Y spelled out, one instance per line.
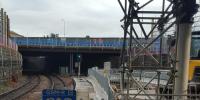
column 68, row 81
column 36, row 94
column 8, row 86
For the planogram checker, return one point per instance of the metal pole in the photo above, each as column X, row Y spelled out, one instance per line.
column 64, row 27
column 2, row 29
column 27, row 41
column 72, row 62
column 128, row 86
column 79, row 67
column 161, row 47
column 3, row 25
column 11, row 65
column 183, row 57
column 158, row 85
column 71, row 70
column 2, row 60
column 6, row 29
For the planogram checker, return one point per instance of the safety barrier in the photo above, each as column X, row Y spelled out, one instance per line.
column 103, row 81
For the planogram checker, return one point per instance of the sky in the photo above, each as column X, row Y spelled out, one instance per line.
column 96, row 18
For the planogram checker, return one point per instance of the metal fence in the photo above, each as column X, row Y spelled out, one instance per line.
column 10, row 63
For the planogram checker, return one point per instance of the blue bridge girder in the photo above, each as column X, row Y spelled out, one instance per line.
column 69, row 42
column 72, row 43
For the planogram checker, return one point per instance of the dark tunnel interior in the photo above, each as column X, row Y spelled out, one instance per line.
column 49, row 62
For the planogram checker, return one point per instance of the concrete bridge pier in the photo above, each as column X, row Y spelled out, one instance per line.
column 184, row 28
column 183, row 57
column 71, row 63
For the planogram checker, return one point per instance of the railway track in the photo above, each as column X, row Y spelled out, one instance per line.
column 51, row 83
column 56, row 82
column 31, row 84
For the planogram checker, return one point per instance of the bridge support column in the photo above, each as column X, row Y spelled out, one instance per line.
column 71, row 56
column 183, row 57
column 185, row 19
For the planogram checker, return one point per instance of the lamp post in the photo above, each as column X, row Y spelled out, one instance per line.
column 64, row 26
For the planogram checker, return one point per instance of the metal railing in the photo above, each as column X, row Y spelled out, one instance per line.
column 115, row 43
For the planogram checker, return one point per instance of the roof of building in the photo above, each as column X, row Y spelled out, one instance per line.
column 14, row 34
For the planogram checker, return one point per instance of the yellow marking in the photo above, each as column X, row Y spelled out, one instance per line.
column 193, row 64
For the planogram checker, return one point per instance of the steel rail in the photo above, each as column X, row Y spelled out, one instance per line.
column 14, row 94
column 58, row 83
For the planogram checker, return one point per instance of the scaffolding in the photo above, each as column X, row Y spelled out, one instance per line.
column 139, row 22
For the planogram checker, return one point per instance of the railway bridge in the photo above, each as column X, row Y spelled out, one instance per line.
column 42, row 54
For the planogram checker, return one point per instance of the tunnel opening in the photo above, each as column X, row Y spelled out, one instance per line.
column 51, row 62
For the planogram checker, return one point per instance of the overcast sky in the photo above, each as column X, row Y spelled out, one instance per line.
column 83, row 17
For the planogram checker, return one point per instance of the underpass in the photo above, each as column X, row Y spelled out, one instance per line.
column 47, row 55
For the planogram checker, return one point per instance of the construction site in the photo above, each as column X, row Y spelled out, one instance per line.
column 157, row 57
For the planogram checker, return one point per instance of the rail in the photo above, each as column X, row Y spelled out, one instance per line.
column 56, row 82
column 31, row 84
column 51, row 86
column 61, row 80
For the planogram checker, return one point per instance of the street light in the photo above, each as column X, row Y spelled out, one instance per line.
column 64, row 26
